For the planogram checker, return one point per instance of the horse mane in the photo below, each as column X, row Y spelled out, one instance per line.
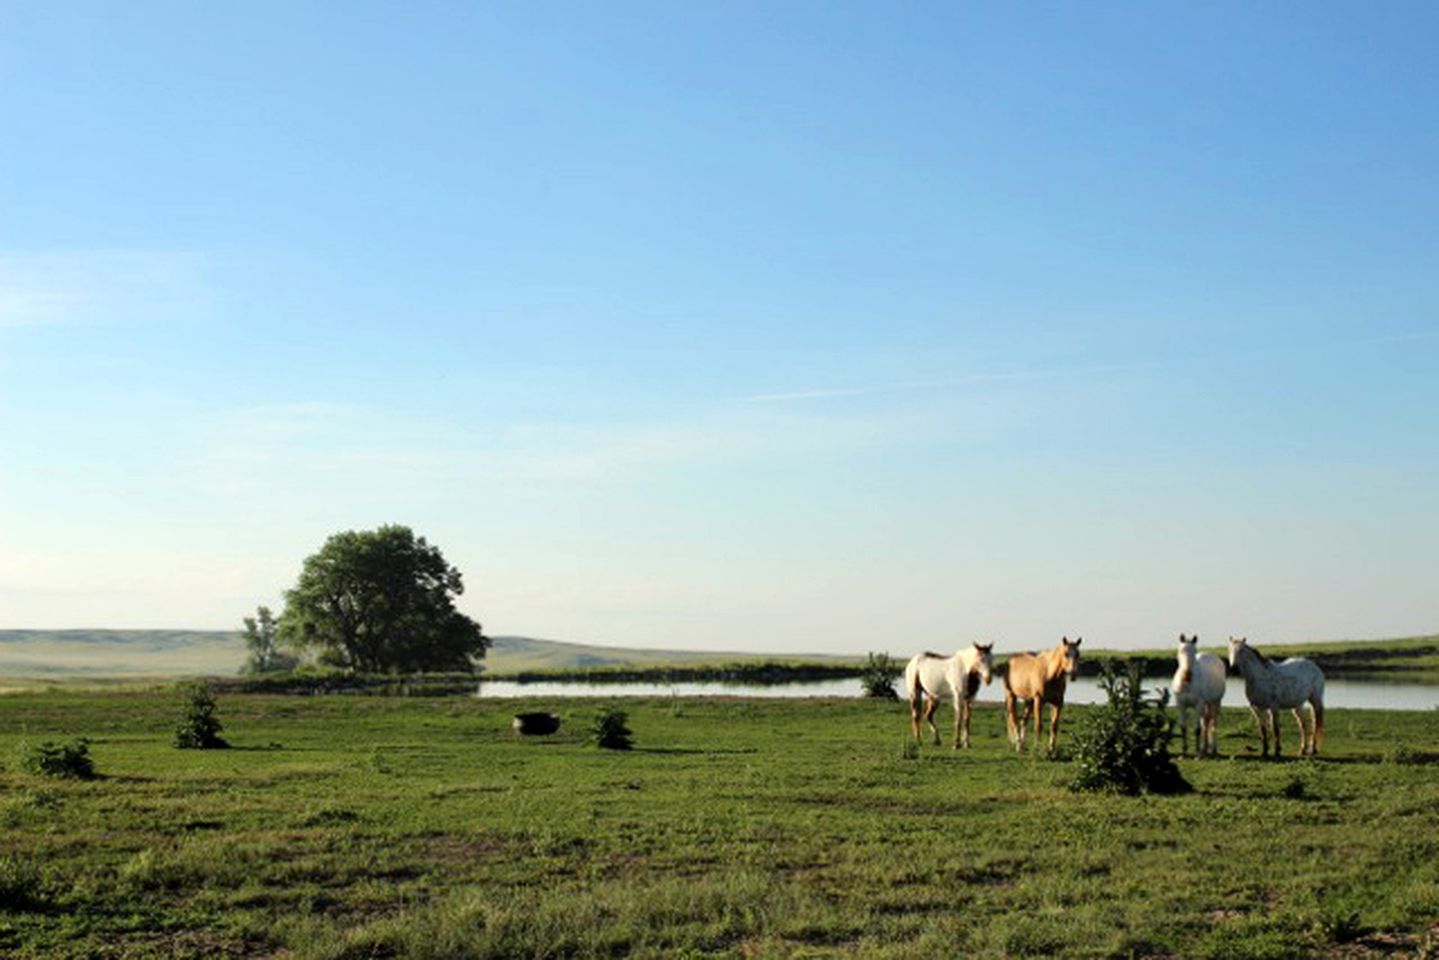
column 936, row 656
column 1262, row 658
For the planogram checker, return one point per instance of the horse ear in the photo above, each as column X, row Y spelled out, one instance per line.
column 1078, row 641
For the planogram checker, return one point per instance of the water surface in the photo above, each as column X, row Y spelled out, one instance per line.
column 1337, row 693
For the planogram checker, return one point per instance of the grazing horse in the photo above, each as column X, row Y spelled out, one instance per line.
column 1272, row 686
column 930, row 677
column 1037, row 679
column 1198, row 687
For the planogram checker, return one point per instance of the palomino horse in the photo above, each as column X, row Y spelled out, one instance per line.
column 1037, row 679
column 1198, row 687
column 1272, row 686
column 932, row 677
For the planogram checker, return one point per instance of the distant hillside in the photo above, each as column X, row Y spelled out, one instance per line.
column 165, row 653
column 119, row 653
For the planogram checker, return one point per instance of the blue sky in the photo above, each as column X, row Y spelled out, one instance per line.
column 742, row 326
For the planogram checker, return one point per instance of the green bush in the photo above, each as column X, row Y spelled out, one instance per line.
column 878, row 676
column 69, row 760
column 610, row 731
column 1123, row 746
column 199, row 729
column 21, row 886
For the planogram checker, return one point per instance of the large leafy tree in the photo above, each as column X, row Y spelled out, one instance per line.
column 381, row 601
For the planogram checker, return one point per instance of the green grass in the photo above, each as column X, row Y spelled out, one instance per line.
column 374, row 827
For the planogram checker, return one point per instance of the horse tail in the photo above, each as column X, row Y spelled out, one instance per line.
column 911, row 680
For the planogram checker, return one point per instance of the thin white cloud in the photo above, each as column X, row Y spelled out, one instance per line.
column 93, row 286
column 1002, row 376
column 806, row 395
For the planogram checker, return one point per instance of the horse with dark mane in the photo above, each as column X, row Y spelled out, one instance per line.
column 1272, row 687
column 931, row 677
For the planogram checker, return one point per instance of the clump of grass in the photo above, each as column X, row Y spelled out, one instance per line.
column 1409, row 757
column 21, row 885
column 611, row 731
column 329, row 817
column 878, row 675
column 1341, row 925
column 66, row 761
column 1295, row 789
column 1123, row 746
column 199, row 728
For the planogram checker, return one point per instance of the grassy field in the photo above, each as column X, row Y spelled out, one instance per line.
column 399, row 827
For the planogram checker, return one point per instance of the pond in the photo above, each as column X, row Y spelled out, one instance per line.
column 1337, row 693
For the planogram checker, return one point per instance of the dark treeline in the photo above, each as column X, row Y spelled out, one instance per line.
column 382, row 684
column 760, row 673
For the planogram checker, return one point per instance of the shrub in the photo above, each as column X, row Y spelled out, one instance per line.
column 1123, row 746
column 70, row 761
column 878, row 676
column 199, row 729
column 21, row 886
column 610, row 730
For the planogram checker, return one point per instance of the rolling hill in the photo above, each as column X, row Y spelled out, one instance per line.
column 59, row 654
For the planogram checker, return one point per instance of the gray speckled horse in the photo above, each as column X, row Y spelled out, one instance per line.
column 1272, row 687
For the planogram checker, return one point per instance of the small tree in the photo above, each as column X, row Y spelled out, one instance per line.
column 1123, row 746
column 878, row 675
column 610, row 730
column 262, row 639
column 199, row 729
column 68, row 761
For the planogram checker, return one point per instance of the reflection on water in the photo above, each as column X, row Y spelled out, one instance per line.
column 1337, row 693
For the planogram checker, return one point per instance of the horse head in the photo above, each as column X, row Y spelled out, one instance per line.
column 1235, row 645
column 982, row 662
column 1187, row 653
column 1071, row 655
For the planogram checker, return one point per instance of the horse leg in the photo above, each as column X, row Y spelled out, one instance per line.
column 914, row 717
column 1260, row 719
column 931, row 704
column 1054, row 709
column 1038, row 717
column 1317, row 706
column 965, row 706
column 1207, row 722
column 1303, row 732
column 1023, row 723
column 1010, row 724
column 1274, row 724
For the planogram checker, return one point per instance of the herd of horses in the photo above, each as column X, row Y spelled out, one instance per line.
column 1038, row 679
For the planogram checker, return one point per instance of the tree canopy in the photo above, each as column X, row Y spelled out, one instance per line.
column 262, row 639
column 381, row 601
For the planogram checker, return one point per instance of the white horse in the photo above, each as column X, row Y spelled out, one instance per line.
column 931, row 677
column 1272, row 686
column 1198, row 687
